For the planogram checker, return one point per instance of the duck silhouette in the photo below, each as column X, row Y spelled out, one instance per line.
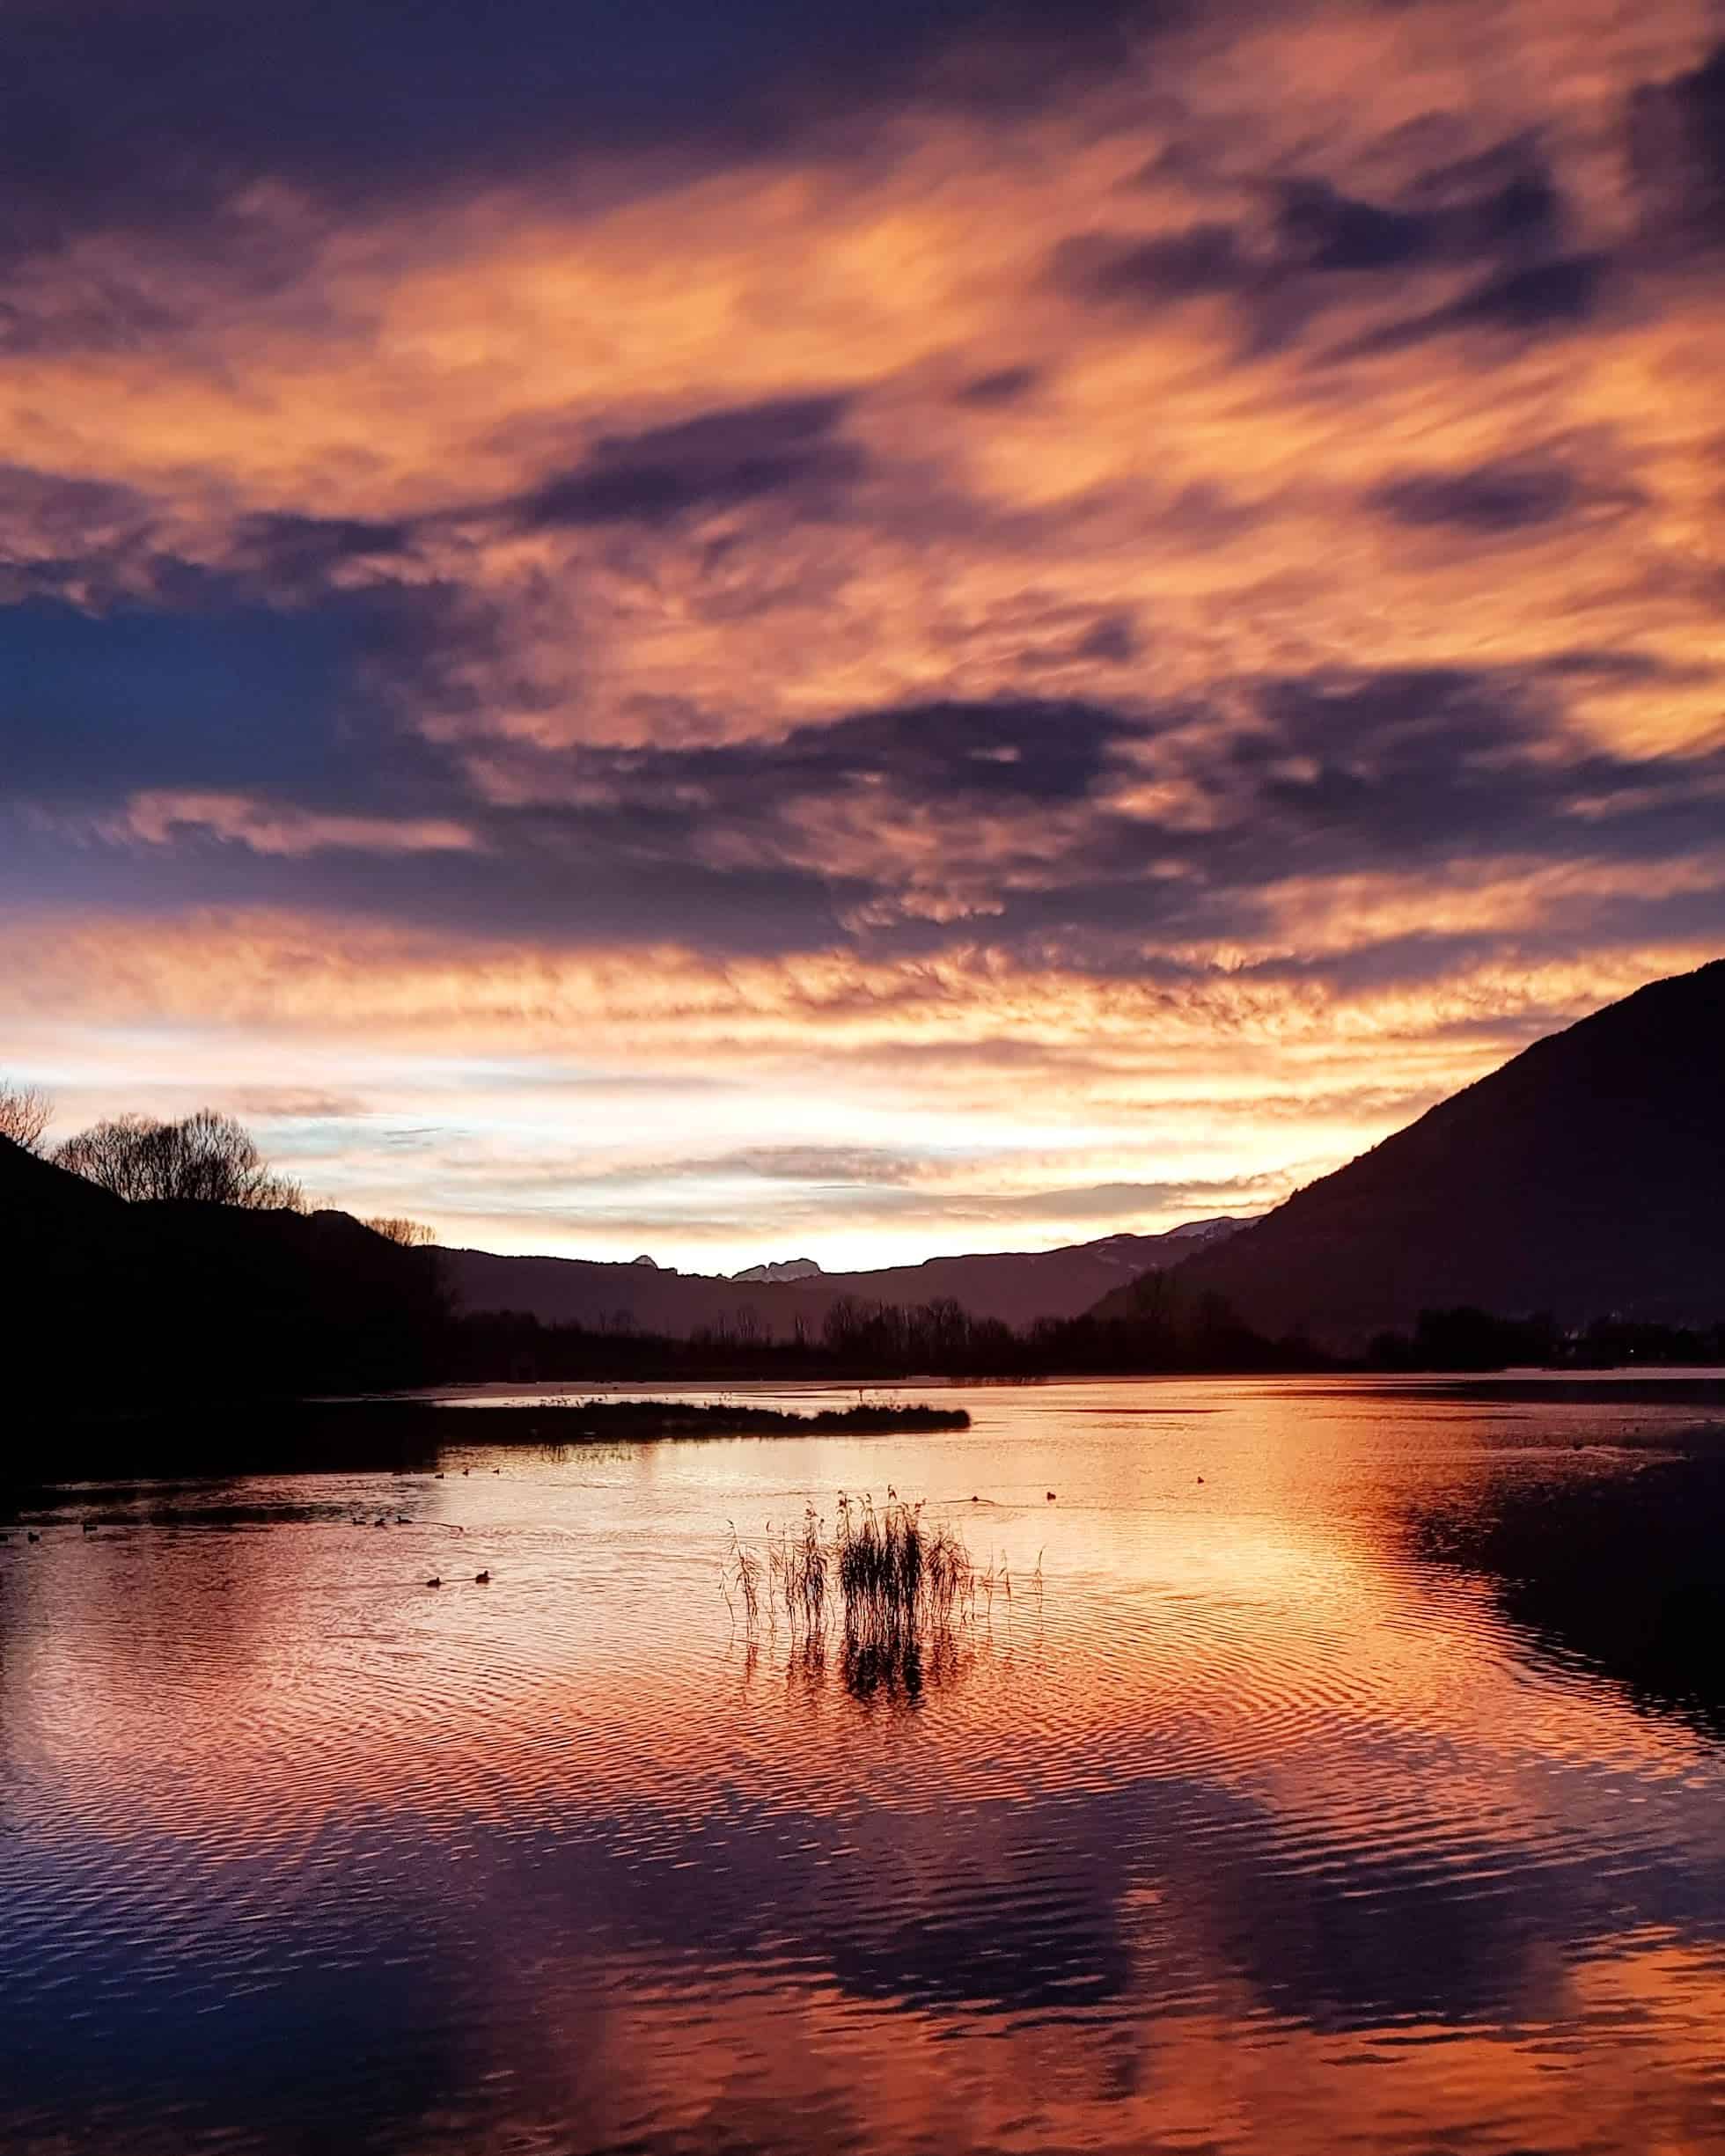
column 32, row 1536
column 434, row 1581
column 482, row 1579
column 1050, row 1497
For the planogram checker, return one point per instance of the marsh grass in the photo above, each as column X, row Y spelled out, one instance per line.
column 896, row 1576
column 743, row 1572
column 797, row 1565
column 896, row 1587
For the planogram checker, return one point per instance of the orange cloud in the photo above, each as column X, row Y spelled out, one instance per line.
column 996, row 1082
column 1197, row 384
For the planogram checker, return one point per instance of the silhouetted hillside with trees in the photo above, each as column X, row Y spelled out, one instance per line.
column 105, row 1299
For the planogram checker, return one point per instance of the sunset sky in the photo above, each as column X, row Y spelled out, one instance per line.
column 744, row 629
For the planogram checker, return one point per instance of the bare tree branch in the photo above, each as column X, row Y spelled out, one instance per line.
column 411, row 1234
column 26, row 1112
column 206, row 1158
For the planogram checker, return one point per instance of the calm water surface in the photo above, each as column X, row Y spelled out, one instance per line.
column 1261, row 1826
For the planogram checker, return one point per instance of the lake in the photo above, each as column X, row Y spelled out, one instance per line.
column 1267, row 1801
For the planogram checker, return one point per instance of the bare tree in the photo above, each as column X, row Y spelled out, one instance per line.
column 110, row 1154
column 207, row 1158
column 411, row 1234
column 26, row 1112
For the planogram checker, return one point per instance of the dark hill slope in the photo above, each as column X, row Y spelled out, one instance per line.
column 61, row 1241
column 108, row 1304
column 34, row 1189
column 1586, row 1176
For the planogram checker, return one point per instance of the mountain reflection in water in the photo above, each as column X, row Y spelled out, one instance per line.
column 1289, row 1815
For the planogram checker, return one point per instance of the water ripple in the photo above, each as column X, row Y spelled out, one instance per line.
column 1252, row 1827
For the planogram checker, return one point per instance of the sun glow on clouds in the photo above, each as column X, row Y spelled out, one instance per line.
column 1074, row 656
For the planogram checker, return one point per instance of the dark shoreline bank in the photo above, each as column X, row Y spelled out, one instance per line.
column 69, row 1444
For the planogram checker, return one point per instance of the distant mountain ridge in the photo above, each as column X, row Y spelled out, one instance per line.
column 1584, row 1177
column 1016, row 1286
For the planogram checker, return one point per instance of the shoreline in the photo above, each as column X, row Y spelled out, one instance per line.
column 391, row 1433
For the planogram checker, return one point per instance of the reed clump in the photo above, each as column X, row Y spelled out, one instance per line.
column 896, row 1576
column 894, row 1584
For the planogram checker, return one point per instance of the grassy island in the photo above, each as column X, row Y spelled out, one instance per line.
column 79, row 1442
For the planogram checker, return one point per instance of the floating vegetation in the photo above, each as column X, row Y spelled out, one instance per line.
column 899, row 1591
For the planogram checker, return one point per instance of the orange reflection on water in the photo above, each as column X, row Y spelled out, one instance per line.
column 1247, row 1830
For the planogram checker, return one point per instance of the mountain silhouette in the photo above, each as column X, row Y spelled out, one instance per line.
column 1016, row 1286
column 1585, row 1178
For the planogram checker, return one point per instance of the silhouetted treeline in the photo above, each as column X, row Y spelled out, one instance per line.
column 1465, row 1338
column 1170, row 1332
column 1611, row 1342
column 1173, row 1331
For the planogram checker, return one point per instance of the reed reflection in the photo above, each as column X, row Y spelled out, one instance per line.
column 899, row 1671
